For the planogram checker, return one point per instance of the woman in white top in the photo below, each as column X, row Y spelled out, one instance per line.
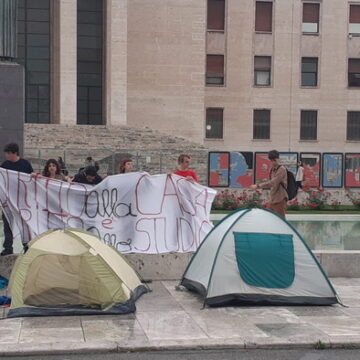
column 299, row 175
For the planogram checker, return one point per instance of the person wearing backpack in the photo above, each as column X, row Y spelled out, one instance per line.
column 277, row 184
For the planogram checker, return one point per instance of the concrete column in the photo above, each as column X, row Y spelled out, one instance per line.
column 64, row 57
column 8, row 41
column 12, row 105
column 12, row 91
column 115, row 84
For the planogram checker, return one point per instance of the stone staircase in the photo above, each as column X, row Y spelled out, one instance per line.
column 151, row 150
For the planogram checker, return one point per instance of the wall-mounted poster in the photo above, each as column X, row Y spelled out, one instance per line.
column 332, row 170
column 262, row 167
column 352, row 170
column 289, row 160
column 241, row 169
column 219, row 165
column 263, row 164
column 311, row 163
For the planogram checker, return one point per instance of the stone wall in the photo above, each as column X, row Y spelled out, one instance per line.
column 151, row 151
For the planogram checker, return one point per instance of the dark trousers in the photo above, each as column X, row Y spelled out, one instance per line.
column 8, row 242
column 299, row 184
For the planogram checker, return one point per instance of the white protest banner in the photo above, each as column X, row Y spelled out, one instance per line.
column 134, row 212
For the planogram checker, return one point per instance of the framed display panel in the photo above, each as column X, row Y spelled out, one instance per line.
column 289, row 160
column 352, row 170
column 241, row 169
column 219, row 166
column 262, row 166
column 311, row 163
column 332, row 170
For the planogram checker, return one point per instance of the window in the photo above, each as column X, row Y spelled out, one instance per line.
column 216, row 15
column 263, row 16
column 310, row 23
column 354, row 19
column 308, row 125
column 89, row 61
column 215, row 69
column 34, row 54
column 262, row 70
column 309, row 70
column 214, row 123
column 353, row 126
column 261, row 129
column 354, row 73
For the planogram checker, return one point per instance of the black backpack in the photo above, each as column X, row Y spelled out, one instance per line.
column 291, row 188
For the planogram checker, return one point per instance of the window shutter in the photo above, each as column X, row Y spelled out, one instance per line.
column 311, row 13
column 262, row 63
column 215, row 65
column 216, row 15
column 354, row 14
column 263, row 16
column 354, row 66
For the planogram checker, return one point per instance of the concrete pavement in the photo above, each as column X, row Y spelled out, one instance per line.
column 170, row 319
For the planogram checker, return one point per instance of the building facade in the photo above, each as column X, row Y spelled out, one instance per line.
column 243, row 76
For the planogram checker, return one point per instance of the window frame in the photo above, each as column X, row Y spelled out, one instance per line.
column 262, row 31
column 351, row 131
column 268, row 111
column 303, row 128
column 356, row 32
column 91, row 62
column 317, row 32
column 354, row 73
column 216, row 74
column 221, row 111
column 35, row 42
column 262, row 70
column 309, row 72
column 222, row 30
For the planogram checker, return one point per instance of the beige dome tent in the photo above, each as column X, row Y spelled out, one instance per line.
column 71, row 272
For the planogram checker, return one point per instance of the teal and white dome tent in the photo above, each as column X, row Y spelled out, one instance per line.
column 253, row 256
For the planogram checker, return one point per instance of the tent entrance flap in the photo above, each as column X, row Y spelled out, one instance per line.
column 265, row 260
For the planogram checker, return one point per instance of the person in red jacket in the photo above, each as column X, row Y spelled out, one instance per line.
column 183, row 168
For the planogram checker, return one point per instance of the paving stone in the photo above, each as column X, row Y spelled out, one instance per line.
column 291, row 331
column 120, row 330
column 336, row 325
column 169, row 325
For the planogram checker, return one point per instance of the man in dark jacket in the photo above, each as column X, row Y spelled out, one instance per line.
column 13, row 162
column 88, row 176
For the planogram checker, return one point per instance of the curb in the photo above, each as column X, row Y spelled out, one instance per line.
column 26, row 349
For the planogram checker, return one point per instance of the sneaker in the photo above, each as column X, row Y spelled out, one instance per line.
column 6, row 252
column 26, row 248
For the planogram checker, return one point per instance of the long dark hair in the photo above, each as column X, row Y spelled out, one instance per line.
column 122, row 165
column 46, row 172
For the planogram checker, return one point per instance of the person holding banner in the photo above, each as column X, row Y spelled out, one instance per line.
column 16, row 163
column 183, row 168
column 88, row 176
column 52, row 170
column 126, row 166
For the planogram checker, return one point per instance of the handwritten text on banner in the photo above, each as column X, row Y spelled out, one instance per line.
column 134, row 212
